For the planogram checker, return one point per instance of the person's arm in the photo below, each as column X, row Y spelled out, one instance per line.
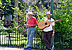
column 53, row 27
column 27, row 26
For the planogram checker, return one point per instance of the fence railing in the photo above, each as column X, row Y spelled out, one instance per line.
column 18, row 38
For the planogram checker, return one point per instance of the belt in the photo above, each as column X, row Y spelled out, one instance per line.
column 48, row 31
column 32, row 26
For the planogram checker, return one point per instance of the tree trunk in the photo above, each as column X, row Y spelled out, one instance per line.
column 15, row 11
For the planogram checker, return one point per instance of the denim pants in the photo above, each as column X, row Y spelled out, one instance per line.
column 30, row 34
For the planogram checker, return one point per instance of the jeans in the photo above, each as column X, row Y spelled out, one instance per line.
column 30, row 34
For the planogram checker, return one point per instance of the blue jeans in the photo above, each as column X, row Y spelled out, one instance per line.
column 30, row 34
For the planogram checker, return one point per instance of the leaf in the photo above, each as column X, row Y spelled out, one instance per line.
column 0, row 2
column 6, row 0
column 9, row 1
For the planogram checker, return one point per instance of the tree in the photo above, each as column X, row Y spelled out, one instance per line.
column 64, row 28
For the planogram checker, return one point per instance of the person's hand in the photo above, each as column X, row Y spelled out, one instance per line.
column 28, row 26
column 53, row 34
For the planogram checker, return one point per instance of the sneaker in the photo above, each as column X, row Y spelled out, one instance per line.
column 49, row 49
column 46, row 49
column 29, row 48
column 25, row 48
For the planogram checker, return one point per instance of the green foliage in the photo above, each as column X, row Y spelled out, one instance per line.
column 65, row 26
column 63, row 38
column 41, row 16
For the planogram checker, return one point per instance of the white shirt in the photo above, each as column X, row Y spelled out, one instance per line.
column 50, row 27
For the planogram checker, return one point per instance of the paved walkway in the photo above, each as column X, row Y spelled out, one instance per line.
column 9, row 48
column 6, row 48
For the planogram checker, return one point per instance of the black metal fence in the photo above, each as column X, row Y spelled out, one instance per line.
column 18, row 38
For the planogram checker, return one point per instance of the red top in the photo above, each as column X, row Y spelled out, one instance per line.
column 32, row 21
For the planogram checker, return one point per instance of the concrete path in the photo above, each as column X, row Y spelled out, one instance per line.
column 6, row 48
column 9, row 48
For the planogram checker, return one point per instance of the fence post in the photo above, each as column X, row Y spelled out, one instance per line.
column 52, row 8
column 52, row 39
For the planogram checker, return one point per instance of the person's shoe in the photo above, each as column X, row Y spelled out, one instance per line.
column 46, row 49
column 29, row 48
column 25, row 48
column 49, row 49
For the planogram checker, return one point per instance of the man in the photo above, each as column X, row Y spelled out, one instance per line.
column 31, row 23
column 48, row 32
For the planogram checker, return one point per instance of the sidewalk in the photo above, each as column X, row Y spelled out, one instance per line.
column 8, row 48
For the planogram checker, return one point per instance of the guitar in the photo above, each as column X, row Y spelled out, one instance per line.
column 43, row 24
